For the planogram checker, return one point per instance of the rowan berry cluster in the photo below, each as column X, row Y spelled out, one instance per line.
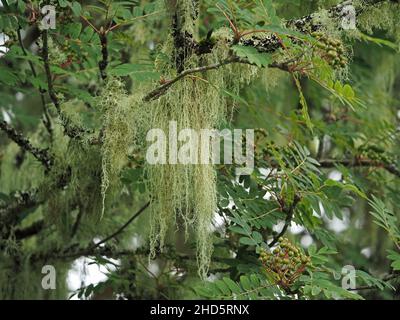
column 285, row 263
column 332, row 50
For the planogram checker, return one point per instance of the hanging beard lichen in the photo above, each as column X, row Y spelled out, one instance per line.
column 187, row 192
column 74, row 183
column 91, row 166
column 117, row 133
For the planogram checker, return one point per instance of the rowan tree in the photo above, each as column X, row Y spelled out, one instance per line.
column 83, row 83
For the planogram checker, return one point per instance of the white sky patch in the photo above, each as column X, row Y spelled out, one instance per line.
column 267, row 196
column 367, row 252
column 306, row 241
column 3, row 49
column 136, row 242
column 151, row 45
column 321, row 209
column 212, row 277
column 278, row 227
column 218, row 223
column 359, row 223
column 82, row 273
column 339, row 225
column 335, row 175
column 295, row 228
column 7, row 115
column 153, row 269
column 19, row 96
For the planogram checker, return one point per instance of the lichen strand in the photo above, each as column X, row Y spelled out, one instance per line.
column 117, row 134
column 188, row 192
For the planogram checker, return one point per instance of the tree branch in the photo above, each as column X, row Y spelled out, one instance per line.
column 41, row 155
column 28, row 200
column 103, row 63
column 161, row 90
column 184, row 44
column 23, row 200
column 331, row 163
column 32, row 230
column 289, row 216
column 388, row 278
column 70, row 129
column 46, row 120
column 73, row 251
column 116, row 233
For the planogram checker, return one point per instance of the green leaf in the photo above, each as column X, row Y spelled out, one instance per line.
column 245, row 282
column 234, row 96
column 137, row 71
column 223, row 287
column 76, row 8
column 232, row 285
column 304, row 105
column 252, row 55
column 239, row 230
column 395, row 256
column 257, row 237
column 247, row 241
column 348, row 92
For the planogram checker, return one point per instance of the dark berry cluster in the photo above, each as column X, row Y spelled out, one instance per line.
column 332, row 50
column 285, row 263
column 375, row 153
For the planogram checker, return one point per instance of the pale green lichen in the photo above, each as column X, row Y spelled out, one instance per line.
column 117, row 133
column 183, row 192
column 382, row 16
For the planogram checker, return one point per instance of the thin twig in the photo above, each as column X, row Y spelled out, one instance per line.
column 289, row 216
column 46, row 120
column 71, row 130
column 331, row 163
column 137, row 214
column 388, row 278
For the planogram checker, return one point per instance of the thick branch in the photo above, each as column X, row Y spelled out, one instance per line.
column 28, row 200
column 156, row 93
column 32, row 230
column 40, row 154
column 103, row 63
column 161, row 90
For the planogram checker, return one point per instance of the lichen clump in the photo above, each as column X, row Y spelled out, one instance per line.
column 187, row 192
column 116, row 134
column 384, row 16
